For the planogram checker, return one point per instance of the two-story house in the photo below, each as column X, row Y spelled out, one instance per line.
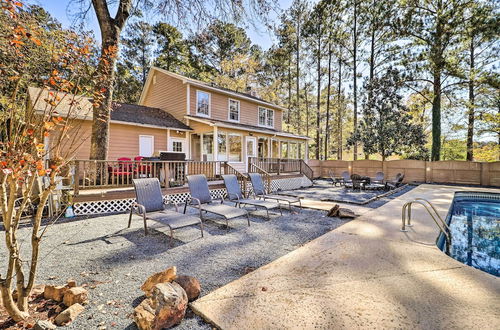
column 226, row 125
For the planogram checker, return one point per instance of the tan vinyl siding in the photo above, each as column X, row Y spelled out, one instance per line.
column 219, row 108
column 123, row 140
column 168, row 94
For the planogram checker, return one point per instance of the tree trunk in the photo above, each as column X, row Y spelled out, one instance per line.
column 438, row 66
column 306, row 91
column 327, row 123
column 289, row 90
column 99, row 141
column 339, row 111
column 436, row 117
column 110, row 36
column 297, row 67
column 318, row 98
column 470, row 125
column 355, row 81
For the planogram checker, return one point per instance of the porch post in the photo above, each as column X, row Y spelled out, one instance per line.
column 168, row 140
column 215, row 144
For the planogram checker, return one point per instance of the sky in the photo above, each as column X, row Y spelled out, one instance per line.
column 62, row 10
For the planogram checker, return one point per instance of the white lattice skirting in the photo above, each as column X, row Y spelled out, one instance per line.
column 123, row 205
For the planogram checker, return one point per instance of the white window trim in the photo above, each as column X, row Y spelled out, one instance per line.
column 209, row 104
column 177, row 139
column 229, row 110
column 258, row 117
column 153, row 142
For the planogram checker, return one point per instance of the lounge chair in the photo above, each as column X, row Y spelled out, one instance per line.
column 379, row 178
column 201, row 199
column 259, row 191
column 150, row 205
column 398, row 181
column 235, row 195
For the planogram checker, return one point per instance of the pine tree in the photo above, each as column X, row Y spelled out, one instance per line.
column 386, row 127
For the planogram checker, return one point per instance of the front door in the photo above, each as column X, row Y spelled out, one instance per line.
column 251, row 146
column 146, row 143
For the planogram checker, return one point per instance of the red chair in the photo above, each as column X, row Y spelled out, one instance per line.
column 140, row 169
column 122, row 170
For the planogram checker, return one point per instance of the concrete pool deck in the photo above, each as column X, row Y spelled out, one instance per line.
column 364, row 274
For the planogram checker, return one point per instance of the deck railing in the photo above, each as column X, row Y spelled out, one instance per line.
column 266, row 177
column 279, row 165
column 91, row 174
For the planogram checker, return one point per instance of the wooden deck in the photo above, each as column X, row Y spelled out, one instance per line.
column 103, row 194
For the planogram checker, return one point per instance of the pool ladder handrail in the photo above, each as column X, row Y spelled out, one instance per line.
column 443, row 227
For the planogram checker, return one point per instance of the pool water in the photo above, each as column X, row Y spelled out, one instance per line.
column 474, row 221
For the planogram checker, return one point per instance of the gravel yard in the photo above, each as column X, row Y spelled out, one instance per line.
column 114, row 261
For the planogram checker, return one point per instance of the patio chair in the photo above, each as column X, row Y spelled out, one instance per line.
column 150, row 206
column 235, row 195
column 346, row 179
column 200, row 195
column 335, row 179
column 259, row 191
column 379, row 178
column 398, row 181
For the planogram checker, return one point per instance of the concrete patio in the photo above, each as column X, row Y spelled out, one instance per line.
column 364, row 274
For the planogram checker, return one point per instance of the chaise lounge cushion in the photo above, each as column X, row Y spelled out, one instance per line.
column 226, row 211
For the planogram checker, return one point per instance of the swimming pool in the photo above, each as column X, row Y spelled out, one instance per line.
column 474, row 221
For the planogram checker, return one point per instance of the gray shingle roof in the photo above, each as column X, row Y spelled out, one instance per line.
column 80, row 107
column 133, row 113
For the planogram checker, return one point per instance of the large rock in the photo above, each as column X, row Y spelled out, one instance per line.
column 168, row 275
column 54, row 292
column 69, row 314
column 170, row 302
column 191, row 285
column 144, row 315
column 76, row 295
column 44, row 325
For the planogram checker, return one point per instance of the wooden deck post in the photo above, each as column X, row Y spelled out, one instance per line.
column 279, row 166
column 76, row 179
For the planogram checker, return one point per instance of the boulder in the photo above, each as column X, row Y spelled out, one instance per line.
column 37, row 290
column 75, row 295
column 191, row 285
column 144, row 315
column 44, row 325
column 334, row 211
column 71, row 283
column 69, row 314
column 168, row 275
column 170, row 303
column 54, row 292
column 346, row 213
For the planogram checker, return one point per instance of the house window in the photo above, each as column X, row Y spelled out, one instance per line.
column 284, row 149
column 266, row 117
column 234, row 147
column 234, row 110
column 222, row 146
column 177, row 146
column 207, row 147
column 230, row 147
column 270, row 118
column 275, row 149
column 292, row 150
column 202, row 103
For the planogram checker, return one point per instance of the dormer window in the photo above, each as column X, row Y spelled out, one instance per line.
column 202, row 104
column 234, row 110
column 266, row 117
